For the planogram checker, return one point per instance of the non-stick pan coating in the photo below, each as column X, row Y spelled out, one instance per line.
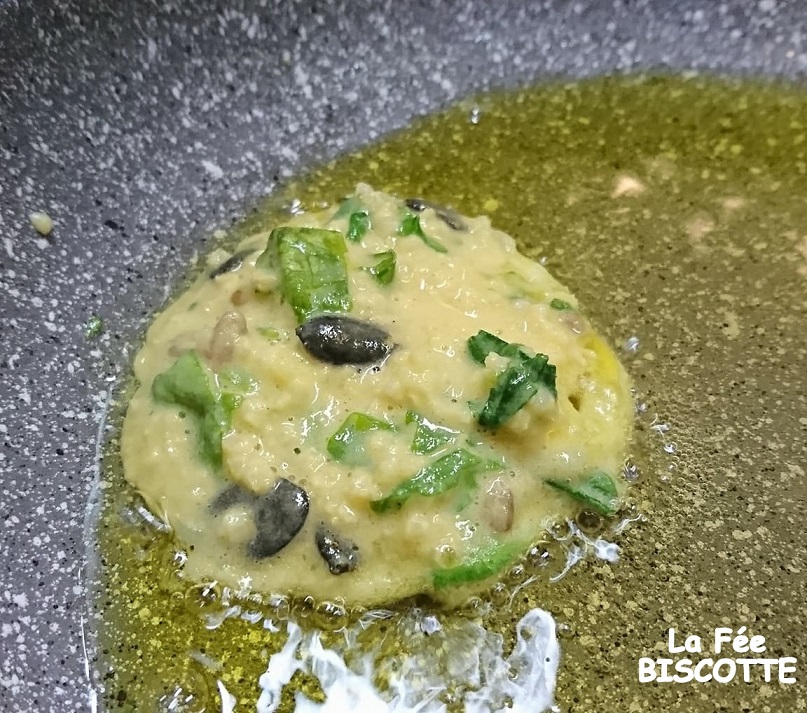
column 142, row 126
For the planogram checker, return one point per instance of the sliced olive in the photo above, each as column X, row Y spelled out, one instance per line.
column 231, row 264
column 231, row 496
column 279, row 515
column 337, row 339
column 450, row 217
column 339, row 553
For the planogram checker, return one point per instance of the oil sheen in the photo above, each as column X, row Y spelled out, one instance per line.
column 641, row 195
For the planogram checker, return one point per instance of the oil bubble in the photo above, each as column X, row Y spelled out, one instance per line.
column 589, row 521
column 499, row 594
column 538, row 556
column 202, row 597
column 631, row 345
column 630, row 471
column 187, row 692
column 517, row 574
column 475, row 607
column 329, row 616
column 171, row 576
column 279, row 606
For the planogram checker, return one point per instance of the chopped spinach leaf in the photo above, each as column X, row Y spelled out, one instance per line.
column 235, row 379
column 213, row 424
column 523, row 288
column 347, row 207
column 561, row 305
column 270, row 333
column 480, row 564
column 187, row 383
column 357, row 226
column 95, row 327
column 484, row 343
column 234, row 384
column 428, row 436
column 459, row 467
column 345, row 445
column 515, row 385
column 312, row 267
column 209, row 398
column 410, row 225
column 597, row 491
column 384, row 270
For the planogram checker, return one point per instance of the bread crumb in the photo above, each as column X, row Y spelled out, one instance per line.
column 42, row 222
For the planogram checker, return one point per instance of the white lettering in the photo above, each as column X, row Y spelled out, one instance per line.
column 671, row 647
column 724, row 678
column 721, row 670
column 746, row 665
column 647, row 670
column 722, row 636
column 684, row 666
column 740, row 643
column 758, row 644
column 664, row 665
column 787, row 665
column 693, row 644
column 702, row 664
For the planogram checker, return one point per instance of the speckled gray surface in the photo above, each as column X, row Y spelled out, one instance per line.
column 142, row 126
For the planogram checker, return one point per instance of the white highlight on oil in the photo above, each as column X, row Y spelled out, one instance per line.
column 465, row 659
column 458, row 657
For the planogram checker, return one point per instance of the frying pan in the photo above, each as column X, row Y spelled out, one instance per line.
column 141, row 127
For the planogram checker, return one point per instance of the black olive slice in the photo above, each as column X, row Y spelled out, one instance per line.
column 279, row 515
column 231, row 264
column 339, row 553
column 337, row 339
column 231, row 496
column 449, row 216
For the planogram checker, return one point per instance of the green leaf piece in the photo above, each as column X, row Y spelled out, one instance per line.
column 234, row 384
column 429, row 436
column 523, row 288
column 209, row 398
column 410, row 225
column 187, row 383
column 357, row 226
column 236, row 380
column 270, row 333
column 346, row 444
column 94, row 328
column 384, row 269
column 480, row 564
column 560, row 305
column 597, row 492
column 458, row 468
column 516, row 385
column 312, row 267
column 212, row 425
column 484, row 343
column 347, row 207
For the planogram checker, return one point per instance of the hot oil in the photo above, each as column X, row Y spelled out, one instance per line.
column 675, row 211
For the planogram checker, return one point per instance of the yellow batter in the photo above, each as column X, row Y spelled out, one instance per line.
column 373, row 401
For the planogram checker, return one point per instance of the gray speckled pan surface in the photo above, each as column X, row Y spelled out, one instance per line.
column 142, row 126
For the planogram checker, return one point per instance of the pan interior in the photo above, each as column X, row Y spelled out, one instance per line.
column 674, row 208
